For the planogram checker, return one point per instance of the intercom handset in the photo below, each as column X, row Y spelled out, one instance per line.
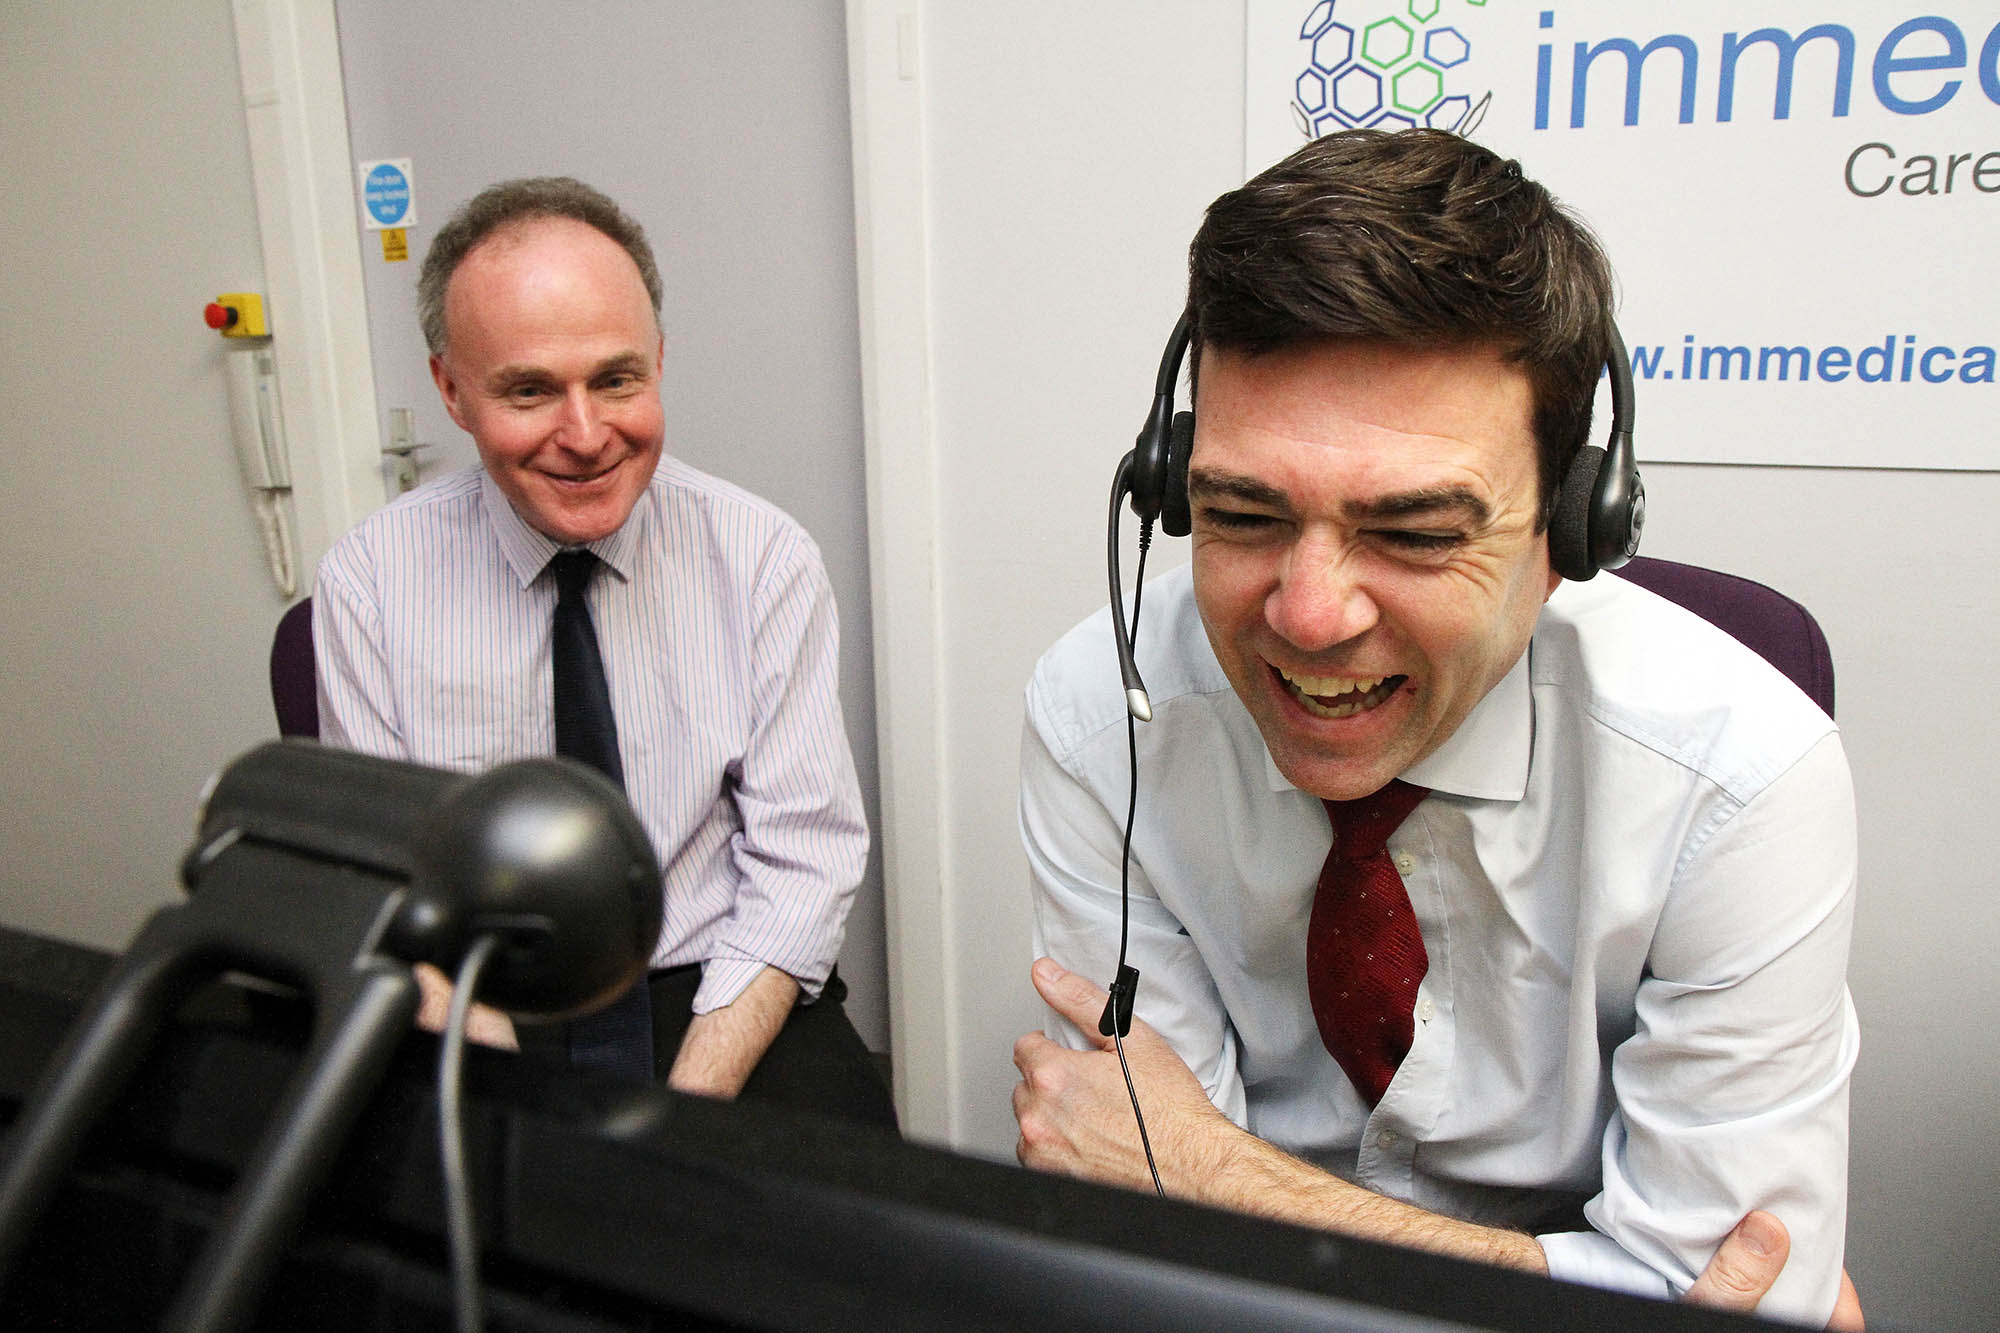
column 257, row 426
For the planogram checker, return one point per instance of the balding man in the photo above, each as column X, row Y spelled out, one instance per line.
column 713, row 625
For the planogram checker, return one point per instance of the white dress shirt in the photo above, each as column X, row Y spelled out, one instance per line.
column 1635, row 882
column 431, row 625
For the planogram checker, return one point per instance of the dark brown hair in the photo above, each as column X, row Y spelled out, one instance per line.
column 1415, row 237
column 509, row 202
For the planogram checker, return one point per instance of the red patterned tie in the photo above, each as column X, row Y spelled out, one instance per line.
column 1364, row 957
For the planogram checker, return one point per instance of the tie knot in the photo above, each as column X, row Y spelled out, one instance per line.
column 572, row 570
column 1361, row 828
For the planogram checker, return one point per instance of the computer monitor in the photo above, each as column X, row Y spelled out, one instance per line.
column 604, row 1205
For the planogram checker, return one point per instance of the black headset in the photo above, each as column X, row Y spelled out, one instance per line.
column 1599, row 513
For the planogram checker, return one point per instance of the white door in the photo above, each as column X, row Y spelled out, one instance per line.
column 723, row 129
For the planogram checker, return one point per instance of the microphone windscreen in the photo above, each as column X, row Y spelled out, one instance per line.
column 547, row 853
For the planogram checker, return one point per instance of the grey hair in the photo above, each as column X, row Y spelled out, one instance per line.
column 514, row 201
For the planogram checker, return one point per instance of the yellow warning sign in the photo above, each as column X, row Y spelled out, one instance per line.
column 395, row 245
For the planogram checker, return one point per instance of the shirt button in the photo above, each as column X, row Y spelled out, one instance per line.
column 1386, row 1139
column 1426, row 1010
column 1405, row 863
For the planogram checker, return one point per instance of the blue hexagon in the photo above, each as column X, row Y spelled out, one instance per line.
column 1386, row 42
column 1311, row 91
column 1448, row 112
column 1423, row 11
column 1330, row 122
column 1445, row 47
column 1316, row 20
column 1333, row 48
column 1390, row 120
column 1357, row 94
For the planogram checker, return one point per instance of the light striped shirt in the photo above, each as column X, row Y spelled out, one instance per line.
column 431, row 622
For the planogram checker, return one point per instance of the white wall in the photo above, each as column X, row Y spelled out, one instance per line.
column 136, row 609
column 1068, row 151
column 1060, row 221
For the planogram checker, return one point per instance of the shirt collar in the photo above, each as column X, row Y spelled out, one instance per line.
column 1486, row 758
column 528, row 551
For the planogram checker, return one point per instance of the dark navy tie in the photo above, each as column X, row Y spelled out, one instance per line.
column 618, row 1037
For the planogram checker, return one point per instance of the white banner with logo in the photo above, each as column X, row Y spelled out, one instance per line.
column 1801, row 201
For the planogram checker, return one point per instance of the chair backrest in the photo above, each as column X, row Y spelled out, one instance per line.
column 1781, row 631
column 294, row 691
column 1763, row 619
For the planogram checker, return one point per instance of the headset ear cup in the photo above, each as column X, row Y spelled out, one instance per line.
column 1617, row 507
column 1175, row 519
column 1569, row 526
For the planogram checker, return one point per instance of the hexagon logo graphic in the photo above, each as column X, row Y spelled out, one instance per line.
column 1386, row 64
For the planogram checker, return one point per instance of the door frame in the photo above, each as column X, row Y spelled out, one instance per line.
column 295, row 110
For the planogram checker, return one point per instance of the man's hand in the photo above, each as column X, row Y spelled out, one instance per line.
column 1748, row 1262
column 1075, row 1115
column 483, row 1023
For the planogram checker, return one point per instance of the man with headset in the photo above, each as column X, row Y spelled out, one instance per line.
column 1568, row 991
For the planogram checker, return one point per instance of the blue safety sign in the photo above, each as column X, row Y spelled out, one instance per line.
column 387, row 198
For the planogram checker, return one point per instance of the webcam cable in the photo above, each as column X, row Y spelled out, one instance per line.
column 461, row 1229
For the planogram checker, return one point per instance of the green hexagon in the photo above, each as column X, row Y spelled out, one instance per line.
column 1385, row 42
column 1416, row 88
column 1423, row 11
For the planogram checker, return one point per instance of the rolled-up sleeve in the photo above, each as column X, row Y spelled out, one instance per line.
column 804, row 839
column 1732, row 1092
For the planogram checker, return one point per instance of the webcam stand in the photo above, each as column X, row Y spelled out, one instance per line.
column 323, row 934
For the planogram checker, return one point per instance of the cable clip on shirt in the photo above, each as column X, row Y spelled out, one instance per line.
column 1117, row 1018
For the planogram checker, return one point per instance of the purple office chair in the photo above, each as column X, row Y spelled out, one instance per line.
column 1781, row 631
column 294, row 693
column 1777, row 628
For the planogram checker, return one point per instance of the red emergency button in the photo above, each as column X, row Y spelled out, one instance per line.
column 237, row 315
